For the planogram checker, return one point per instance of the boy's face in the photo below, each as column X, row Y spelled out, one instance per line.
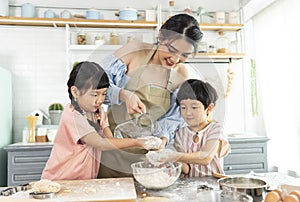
column 193, row 113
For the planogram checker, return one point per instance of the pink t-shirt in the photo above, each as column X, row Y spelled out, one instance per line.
column 184, row 143
column 70, row 159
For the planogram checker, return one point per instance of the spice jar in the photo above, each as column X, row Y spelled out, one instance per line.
column 99, row 39
column 222, row 43
column 114, row 38
column 202, row 47
column 211, row 49
column 81, row 38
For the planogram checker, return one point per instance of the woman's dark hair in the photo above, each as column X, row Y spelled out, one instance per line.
column 86, row 75
column 195, row 89
column 184, row 24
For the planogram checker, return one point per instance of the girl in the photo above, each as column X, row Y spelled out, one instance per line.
column 83, row 130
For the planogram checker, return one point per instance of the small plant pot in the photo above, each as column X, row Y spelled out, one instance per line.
column 55, row 116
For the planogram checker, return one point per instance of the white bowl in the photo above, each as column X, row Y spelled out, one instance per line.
column 156, row 177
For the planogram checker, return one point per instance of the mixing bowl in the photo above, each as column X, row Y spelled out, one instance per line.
column 156, row 176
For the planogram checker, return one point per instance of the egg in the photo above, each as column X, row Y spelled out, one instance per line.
column 279, row 192
column 272, row 196
column 291, row 198
column 297, row 193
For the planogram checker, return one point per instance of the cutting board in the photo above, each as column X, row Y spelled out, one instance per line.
column 108, row 189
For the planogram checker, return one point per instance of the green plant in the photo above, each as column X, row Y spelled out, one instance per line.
column 56, row 106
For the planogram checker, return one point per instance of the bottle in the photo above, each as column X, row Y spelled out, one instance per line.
column 211, row 49
column 114, row 38
column 222, row 43
column 171, row 8
column 99, row 39
column 81, row 38
column 202, row 47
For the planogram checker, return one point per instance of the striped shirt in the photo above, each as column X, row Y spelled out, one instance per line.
column 184, row 143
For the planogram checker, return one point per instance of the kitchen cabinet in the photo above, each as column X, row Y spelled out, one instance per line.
column 247, row 154
column 26, row 161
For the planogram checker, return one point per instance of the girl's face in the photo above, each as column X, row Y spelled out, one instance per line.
column 173, row 52
column 194, row 113
column 91, row 100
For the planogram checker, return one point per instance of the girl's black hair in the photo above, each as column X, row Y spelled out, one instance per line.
column 195, row 89
column 184, row 24
column 86, row 75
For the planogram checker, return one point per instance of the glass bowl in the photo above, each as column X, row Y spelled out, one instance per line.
column 156, row 176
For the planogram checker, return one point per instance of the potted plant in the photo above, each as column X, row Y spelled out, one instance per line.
column 55, row 111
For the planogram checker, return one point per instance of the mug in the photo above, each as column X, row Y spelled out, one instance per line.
column 28, row 10
column 220, row 17
column 65, row 14
column 49, row 14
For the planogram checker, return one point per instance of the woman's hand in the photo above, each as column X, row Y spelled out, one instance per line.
column 133, row 102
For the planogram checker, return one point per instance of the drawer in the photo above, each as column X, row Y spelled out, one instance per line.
column 24, row 176
column 30, row 159
column 244, row 158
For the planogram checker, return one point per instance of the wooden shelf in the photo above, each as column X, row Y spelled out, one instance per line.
column 216, row 57
column 221, row 27
column 94, row 47
column 59, row 22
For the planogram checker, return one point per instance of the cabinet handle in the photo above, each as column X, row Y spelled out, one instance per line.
column 229, row 167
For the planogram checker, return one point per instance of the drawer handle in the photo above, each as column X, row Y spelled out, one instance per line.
column 229, row 167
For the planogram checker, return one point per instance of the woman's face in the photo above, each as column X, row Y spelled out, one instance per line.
column 194, row 113
column 173, row 52
column 92, row 99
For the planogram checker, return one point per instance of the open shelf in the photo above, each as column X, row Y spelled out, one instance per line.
column 94, row 47
column 221, row 27
column 59, row 22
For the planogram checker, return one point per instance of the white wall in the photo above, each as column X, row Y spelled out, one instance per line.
column 37, row 58
column 37, row 61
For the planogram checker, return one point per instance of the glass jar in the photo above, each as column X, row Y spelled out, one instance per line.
column 211, row 49
column 81, row 38
column 99, row 39
column 114, row 38
column 202, row 47
column 222, row 43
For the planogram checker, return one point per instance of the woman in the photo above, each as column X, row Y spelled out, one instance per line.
column 143, row 79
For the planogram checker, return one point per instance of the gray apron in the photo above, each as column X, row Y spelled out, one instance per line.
column 116, row 163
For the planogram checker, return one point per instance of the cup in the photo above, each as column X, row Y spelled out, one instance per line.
column 49, row 14
column 65, row 14
column 92, row 14
column 150, row 15
column 233, row 18
column 220, row 17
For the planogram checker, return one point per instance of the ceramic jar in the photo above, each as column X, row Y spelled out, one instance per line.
column 28, row 10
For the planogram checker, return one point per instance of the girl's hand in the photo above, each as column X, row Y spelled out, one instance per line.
column 151, row 142
column 133, row 102
column 164, row 155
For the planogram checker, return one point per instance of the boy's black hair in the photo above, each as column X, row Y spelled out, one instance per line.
column 195, row 89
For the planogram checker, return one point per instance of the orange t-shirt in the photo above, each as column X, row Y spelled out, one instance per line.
column 70, row 159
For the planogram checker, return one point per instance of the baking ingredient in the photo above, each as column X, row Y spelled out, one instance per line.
column 272, row 196
column 296, row 193
column 45, row 185
column 81, row 38
column 291, row 198
column 155, row 180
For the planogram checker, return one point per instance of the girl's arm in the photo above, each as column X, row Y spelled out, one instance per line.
column 93, row 139
column 107, row 133
column 204, row 156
